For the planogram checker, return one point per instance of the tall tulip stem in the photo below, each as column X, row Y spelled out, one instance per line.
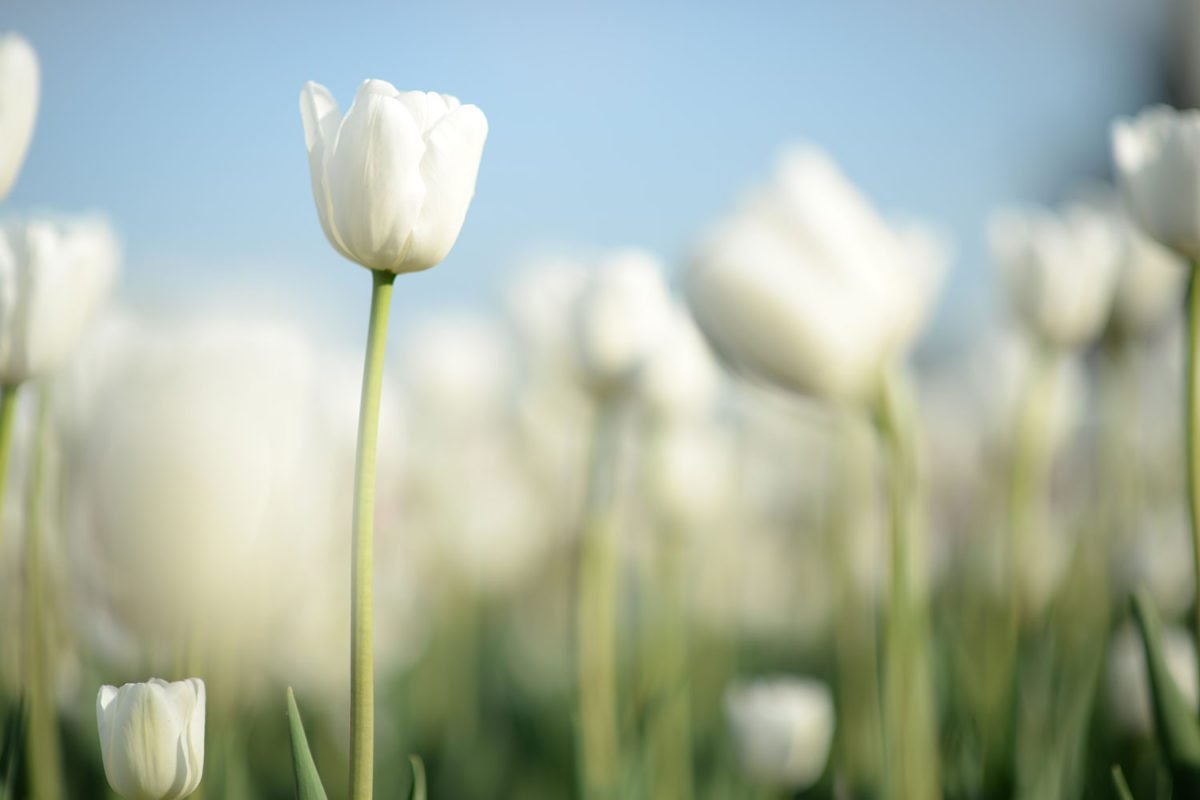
column 8, row 412
column 362, row 644
column 1192, row 394
column 910, row 727
column 596, row 625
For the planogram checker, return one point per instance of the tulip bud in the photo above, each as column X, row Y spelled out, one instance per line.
column 18, row 106
column 152, row 738
column 392, row 179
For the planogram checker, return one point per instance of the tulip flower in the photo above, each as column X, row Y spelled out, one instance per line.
column 54, row 277
column 1157, row 157
column 807, row 288
column 392, row 179
column 783, row 728
column 621, row 312
column 19, row 79
column 152, row 738
column 1060, row 270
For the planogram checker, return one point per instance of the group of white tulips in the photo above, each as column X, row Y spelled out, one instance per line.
column 724, row 540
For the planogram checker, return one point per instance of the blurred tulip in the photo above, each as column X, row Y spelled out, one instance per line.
column 54, row 277
column 199, row 505
column 680, row 380
column 1157, row 155
column 784, row 729
column 620, row 314
column 808, row 288
column 152, row 738
column 393, row 179
column 1060, row 270
column 19, row 80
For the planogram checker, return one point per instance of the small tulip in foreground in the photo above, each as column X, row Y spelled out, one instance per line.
column 152, row 738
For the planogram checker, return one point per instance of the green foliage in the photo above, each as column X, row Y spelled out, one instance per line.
column 1178, row 731
column 308, row 781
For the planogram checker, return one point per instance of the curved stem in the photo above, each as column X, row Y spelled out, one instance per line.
column 362, row 645
column 8, row 408
column 1192, row 395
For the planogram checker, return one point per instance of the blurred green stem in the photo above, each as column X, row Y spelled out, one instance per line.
column 596, row 633
column 669, row 726
column 859, row 749
column 362, row 646
column 1192, row 393
column 8, row 409
column 910, row 725
column 45, row 761
column 1030, row 473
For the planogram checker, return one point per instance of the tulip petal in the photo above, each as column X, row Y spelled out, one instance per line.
column 19, row 85
column 374, row 180
column 449, row 171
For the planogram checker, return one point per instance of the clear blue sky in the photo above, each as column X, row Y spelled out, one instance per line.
column 611, row 123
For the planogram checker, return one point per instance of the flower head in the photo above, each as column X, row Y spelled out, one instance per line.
column 393, row 178
column 806, row 287
column 19, row 79
column 54, row 277
column 1157, row 155
column 152, row 738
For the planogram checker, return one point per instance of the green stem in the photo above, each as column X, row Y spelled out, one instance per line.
column 362, row 645
column 1030, row 467
column 596, row 626
column 856, row 654
column 45, row 759
column 8, row 408
column 910, row 727
column 1192, row 394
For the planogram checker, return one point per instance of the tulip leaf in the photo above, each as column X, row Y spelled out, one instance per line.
column 1178, row 731
column 1120, row 785
column 308, row 781
column 10, row 750
column 418, row 785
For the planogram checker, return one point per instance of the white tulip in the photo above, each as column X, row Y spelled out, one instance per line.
column 19, row 80
column 620, row 314
column 783, row 728
column 1157, row 155
column 808, row 288
column 54, row 277
column 152, row 738
column 392, row 179
column 680, row 379
column 1060, row 270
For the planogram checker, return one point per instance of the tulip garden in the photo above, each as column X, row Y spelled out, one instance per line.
column 628, row 536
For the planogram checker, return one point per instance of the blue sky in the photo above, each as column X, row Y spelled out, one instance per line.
column 618, row 123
